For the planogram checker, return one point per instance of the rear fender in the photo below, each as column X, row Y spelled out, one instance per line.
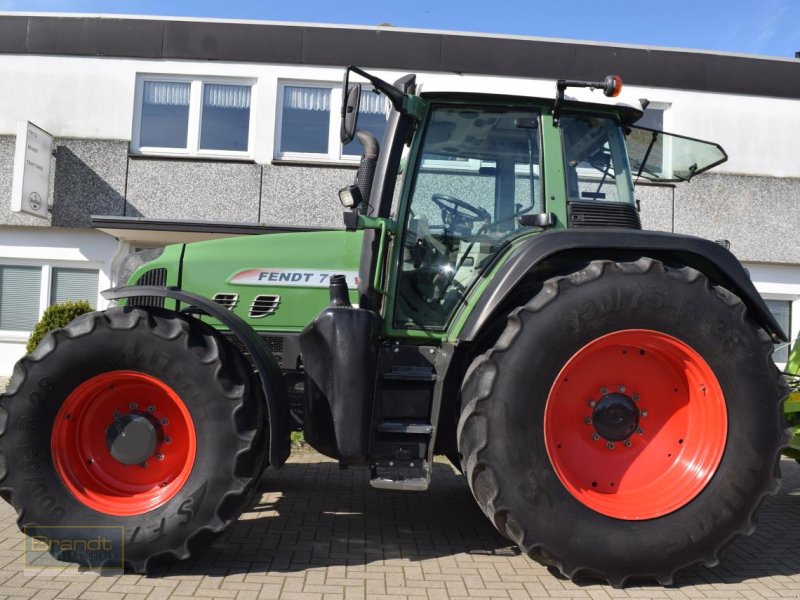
column 558, row 248
column 268, row 371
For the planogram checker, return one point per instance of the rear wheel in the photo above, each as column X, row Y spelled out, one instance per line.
column 142, row 419
column 626, row 424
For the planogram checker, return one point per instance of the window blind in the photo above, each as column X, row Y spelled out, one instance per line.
column 307, row 98
column 226, row 96
column 74, row 284
column 19, row 297
column 166, row 93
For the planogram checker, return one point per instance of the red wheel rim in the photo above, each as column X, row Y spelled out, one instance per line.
column 674, row 404
column 82, row 457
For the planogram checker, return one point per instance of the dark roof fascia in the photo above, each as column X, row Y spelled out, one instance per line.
column 406, row 50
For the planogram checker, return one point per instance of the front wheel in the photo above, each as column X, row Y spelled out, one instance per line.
column 137, row 421
column 626, row 424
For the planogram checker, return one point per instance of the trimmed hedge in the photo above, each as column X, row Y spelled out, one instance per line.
column 57, row 315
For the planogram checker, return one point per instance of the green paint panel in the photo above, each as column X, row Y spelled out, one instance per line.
column 294, row 266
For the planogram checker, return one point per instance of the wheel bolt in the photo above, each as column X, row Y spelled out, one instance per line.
column 151, row 409
column 132, row 405
column 588, row 420
column 168, row 439
column 644, row 413
column 636, row 397
column 159, row 456
column 143, row 465
column 603, row 391
column 164, row 421
column 640, row 431
column 621, row 389
column 117, row 414
column 610, row 445
column 592, row 403
column 628, row 443
column 595, row 436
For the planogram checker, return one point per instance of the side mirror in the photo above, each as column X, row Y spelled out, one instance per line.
column 350, row 104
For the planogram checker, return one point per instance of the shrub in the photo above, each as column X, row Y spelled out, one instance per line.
column 58, row 315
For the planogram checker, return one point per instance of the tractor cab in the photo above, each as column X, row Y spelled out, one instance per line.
column 482, row 171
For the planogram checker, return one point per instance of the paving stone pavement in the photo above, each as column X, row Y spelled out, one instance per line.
column 321, row 533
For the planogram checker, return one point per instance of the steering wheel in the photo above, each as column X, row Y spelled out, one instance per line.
column 453, row 218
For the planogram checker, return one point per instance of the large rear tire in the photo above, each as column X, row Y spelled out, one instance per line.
column 140, row 418
column 626, row 424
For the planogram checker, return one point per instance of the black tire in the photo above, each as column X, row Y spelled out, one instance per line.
column 220, row 392
column 501, row 437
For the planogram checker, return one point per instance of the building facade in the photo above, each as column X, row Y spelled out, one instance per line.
column 172, row 130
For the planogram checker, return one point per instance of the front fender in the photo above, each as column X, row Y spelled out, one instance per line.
column 712, row 259
column 268, row 372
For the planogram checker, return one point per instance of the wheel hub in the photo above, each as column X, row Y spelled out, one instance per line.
column 131, row 439
column 615, row 417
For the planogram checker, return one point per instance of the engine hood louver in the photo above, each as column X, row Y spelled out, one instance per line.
column 264, row 305
column 229, row 301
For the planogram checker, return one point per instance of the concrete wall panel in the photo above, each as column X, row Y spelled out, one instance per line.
column 759, row 215
column 194, row 190
column 303, row 195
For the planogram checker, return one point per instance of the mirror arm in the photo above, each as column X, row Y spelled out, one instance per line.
column 394, row 95
column 561, row 85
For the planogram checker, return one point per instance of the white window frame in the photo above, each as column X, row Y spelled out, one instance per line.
column 332, row 156
column 195, row 117
column 11, row 335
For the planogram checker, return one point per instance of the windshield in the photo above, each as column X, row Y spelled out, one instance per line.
column 479, row 170
column 596, row 167
column 664, row 157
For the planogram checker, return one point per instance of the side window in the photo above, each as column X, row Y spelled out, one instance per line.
column 596, row 166
column 478, row 171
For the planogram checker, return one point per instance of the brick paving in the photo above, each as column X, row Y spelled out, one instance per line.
column 321, row 533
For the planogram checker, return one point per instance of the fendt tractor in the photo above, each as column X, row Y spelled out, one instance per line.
column 608, row 392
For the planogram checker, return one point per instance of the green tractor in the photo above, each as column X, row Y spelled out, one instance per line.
column 608, row 392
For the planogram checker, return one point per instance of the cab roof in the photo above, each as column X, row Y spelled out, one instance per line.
column 627, row 113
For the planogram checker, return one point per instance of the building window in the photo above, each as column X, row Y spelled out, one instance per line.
column 19, row 297
column 309, row 120
column 26, row 290
column 782, row 311
column 653, row 118
column 73, row 284
column 192, row 117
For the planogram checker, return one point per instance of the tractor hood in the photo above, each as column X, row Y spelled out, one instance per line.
column 276, row 282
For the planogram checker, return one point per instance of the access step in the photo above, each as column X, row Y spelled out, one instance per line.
column 406, row 476
column 401, row 427
column 407, row 373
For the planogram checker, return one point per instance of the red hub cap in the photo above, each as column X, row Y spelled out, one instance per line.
column 635, row 424
column 123, row 443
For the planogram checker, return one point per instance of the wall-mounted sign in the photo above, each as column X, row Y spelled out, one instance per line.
column 31, row 180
